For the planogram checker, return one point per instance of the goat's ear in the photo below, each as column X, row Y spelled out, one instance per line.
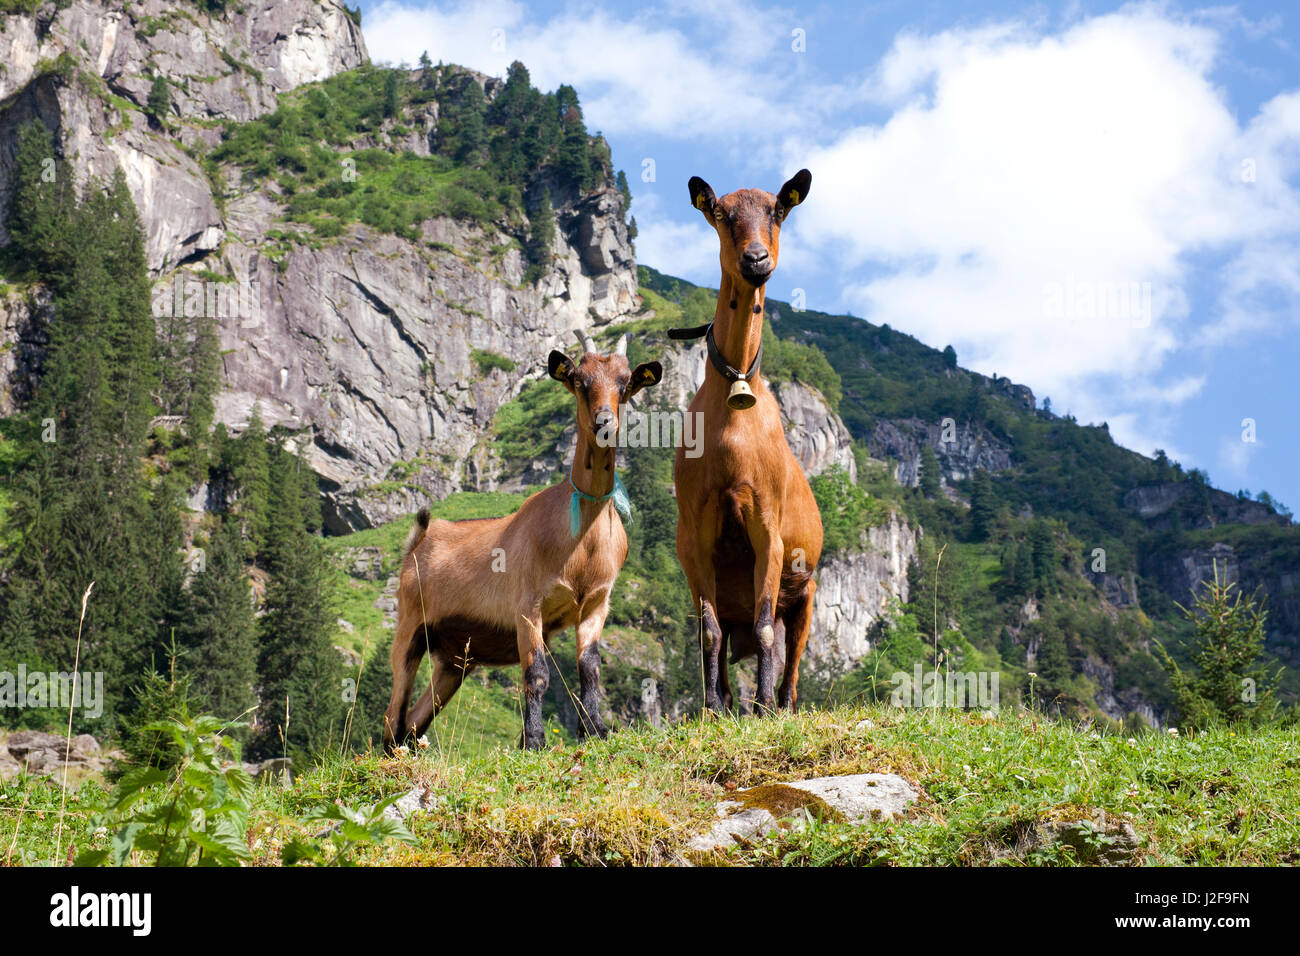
column 702, row 197
column 793, row 192
column 560, row 367
column 643, row 376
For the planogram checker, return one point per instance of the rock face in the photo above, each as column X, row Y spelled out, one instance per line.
column 1158, row 503
column 1250, row 566
column 961, row 448
column 85, row 70
column 816, row 435
column 1119, row 589
column 36, row 752
column 370, row 344
column 1119, row 703
column 23, row 314
column 854, row 594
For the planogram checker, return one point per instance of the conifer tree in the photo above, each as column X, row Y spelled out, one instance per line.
column 929, row 472
column 299, row 670
column 220, row 632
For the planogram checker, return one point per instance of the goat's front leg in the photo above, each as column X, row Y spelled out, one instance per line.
column 695, row 544
column 537, row 677
column 765, row 536
column 589, row 630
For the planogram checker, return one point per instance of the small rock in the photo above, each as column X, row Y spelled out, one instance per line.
column 863, row 796
column 345, row 626
column 1100, row 840
column 745, row 826
column 24, row 742
column 863, row 725
column 417, row 800
column 275, row 770
column 854, row 798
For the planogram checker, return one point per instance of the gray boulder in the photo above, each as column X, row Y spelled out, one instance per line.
column 761, row 811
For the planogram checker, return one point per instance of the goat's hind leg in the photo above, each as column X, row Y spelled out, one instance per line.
column 409, row 645
column 798, row 622
column 588, row 702
column 444, row 681
column 537, row 676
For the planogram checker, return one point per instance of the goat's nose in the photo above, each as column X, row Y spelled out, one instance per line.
column 755, row 254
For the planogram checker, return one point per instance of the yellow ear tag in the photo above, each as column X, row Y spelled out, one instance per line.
column 794, row 197
column 699, row 201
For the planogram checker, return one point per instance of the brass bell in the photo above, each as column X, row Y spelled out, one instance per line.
column 740, row 396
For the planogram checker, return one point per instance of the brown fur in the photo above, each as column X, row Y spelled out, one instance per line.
column 493, row 591
column 748, row 532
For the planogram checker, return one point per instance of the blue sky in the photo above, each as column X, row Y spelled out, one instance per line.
column 1099, row 200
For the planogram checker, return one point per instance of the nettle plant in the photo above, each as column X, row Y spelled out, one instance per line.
column 198, row 812
column 193, row 815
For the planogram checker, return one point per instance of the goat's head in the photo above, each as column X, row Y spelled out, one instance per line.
column 748, row 222
column 601, row 383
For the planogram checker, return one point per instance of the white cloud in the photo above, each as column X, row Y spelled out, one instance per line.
column 1235, row 458
column 688, row 249
column 1025, row 180
column 638, row 74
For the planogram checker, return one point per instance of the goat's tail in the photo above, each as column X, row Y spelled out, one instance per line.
column 417, row 533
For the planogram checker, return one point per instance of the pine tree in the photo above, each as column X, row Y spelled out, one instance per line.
column 983, row 506
column 299, row 670
column 392, row 100
column 471, row 130
column 929, row 472
column 1230, row 682
column 248, row 460
column 159, row 103
column 1043, row 545
column 541, row 236
column 1024, row 565
column 42, row 206
column 220, row 633
column 82, row 510
column 1053, row 664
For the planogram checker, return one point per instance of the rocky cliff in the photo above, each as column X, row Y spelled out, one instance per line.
column 85, row 69
column 855, row 593
column 961, row 448
column 367, row 342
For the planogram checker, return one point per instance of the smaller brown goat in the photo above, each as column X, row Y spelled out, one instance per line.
column 492, row 591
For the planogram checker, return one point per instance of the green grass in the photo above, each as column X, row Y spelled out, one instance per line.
column 1222, row 797
column 529, row 427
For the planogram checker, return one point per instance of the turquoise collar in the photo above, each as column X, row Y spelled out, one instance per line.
column 619, row 494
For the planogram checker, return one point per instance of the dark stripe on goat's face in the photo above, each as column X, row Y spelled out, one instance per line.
column 600, row 382
column 746, row 219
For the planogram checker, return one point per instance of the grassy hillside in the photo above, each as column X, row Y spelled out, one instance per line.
column 1220, row 798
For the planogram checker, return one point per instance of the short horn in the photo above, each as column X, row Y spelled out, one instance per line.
column 622, row 344
column 585, row 341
